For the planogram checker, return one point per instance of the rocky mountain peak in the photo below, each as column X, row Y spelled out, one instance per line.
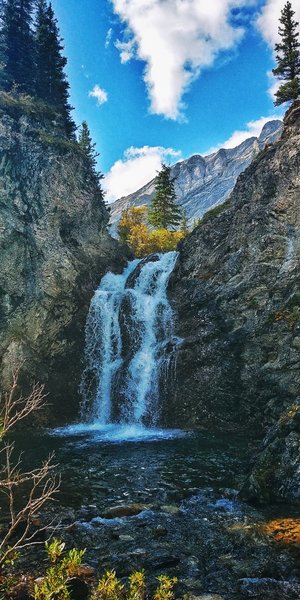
column 203, row 182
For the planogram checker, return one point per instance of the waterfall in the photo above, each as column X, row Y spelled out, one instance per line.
column 128, row 330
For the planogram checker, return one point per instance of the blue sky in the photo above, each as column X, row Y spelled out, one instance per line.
column 164, row 79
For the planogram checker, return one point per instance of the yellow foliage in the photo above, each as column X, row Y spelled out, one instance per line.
column 109, row 587
column 143, row 241
column 134, row 231
column 165, row 589
column 135, row 215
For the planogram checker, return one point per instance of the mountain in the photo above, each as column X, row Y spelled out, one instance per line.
column 236, row 300
column 204, row 181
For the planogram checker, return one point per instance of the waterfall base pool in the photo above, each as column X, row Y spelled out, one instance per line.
column 167, row 504
column 96, row 432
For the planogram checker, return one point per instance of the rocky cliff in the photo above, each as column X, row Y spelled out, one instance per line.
column 205, row 181
column 236, row 295
column 54, row 248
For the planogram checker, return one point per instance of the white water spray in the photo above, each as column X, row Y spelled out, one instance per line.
column 128, row 328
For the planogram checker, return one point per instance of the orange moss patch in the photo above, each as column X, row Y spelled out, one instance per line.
column 286, row 531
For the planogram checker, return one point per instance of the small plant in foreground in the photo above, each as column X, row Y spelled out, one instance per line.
column 165, row 589
column 55, row 582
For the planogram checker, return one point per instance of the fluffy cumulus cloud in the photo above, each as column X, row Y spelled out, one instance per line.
column 137, row 167
column 98, row 93
column 176, row 39
column 267, row 23
column 252, row 129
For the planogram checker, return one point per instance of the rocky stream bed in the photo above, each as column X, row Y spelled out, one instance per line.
column 171, row 505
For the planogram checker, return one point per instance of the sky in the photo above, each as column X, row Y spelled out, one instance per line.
column 160, row 80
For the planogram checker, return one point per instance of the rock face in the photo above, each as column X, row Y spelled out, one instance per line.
column 276, row 468
column 54, row 248
column 235, row 293
column 205, row 181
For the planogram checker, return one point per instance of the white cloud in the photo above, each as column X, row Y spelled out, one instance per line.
column 137, row 167
column 98, row 93
column 267, row 23
column 176, row 39
column 108, row 37
column 252, row 129
column 274, row 85
column 268, row 19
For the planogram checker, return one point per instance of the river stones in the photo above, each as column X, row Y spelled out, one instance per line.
column 123, row 510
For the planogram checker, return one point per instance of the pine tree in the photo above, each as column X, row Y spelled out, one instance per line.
column 51, row 82
column 288, row 57
column 88, row 147
column 17, row 50
column 184, row 228
column 163, row 211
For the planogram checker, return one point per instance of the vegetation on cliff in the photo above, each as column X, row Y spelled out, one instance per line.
column 31, row 57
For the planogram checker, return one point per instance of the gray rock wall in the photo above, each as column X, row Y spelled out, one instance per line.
column 235, row 292
column 54, row 248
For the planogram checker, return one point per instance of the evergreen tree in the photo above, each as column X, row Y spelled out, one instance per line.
column 163, row 211
column 51, row 82
column 17, row 50
column 184, row 228
column 288, row 57
column 88, row 147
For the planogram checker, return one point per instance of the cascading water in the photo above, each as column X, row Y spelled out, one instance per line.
column 128, row 329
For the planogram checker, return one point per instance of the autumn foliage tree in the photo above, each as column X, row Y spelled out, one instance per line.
column 134, row 230
column 131, row 217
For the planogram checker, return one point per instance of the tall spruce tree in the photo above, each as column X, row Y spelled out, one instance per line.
column 88, row 148
column 51, row 81
column 288, row 57
column 163, row 211
column 17, row 45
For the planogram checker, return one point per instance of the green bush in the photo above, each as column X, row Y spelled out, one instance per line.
column 66, row 564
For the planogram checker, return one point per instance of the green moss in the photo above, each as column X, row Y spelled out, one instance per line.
column 19, row 104
column 54, row 140
column 215, row 212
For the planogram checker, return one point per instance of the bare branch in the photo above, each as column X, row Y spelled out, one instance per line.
column 37, row 486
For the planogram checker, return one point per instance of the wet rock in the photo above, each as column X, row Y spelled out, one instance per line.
column 78, row 588
column 269, row 589
column 135, row 274
column 85, row 571
column 162, row 561
column 276, row 470
column 160, row 531
column 206, row 597
column 172, row 509
column 124, row 510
